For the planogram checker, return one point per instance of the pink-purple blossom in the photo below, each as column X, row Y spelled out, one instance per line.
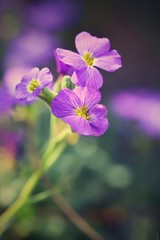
column 52, row 15
column 80, row 109
column 32, row 83
column 9, row 140
column 12, row 76
column 30, row 47
column 92, row 52
column 141, row 106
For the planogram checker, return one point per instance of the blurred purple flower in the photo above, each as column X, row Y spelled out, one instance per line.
column 9, row 146
column 9, row 140
column 142, row 106
column 12, row 76
column 6, row 101
column 32, row 83
column 92, row 52
column 52, row 15
column 80, row 109
column 31, row 47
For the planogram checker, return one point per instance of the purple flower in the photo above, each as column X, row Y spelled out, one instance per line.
column 142, row 106
column 32, row 83
column 9, row 140
column 93, row 52
column 7, row 101
column 80, row 109
column 31, row 47
column 12, row 76
column 52, row 15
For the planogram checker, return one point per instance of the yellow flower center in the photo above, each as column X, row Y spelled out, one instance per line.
column 88, row 59
column 82, row 112
column 33, row 85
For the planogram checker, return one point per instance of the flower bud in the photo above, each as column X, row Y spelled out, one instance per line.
column 67, row 83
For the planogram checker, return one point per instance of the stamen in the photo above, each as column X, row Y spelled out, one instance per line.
column 82, row 112
column 88, row 59
column 33, row 85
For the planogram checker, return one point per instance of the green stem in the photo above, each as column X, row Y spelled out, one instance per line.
column 42, row 196
column 52, row 153
column 53, row 143
column 16, row 206
column 47, row 95
column 45, row 99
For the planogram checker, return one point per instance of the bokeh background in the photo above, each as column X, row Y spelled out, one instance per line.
column 111, row 181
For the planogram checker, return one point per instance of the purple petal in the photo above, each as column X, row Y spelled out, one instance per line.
column 74, row 78
column 34, row 72
column 45, row 77
column 87, row 43
column 89, row 97
column 62, row 68
column 65, row 103
column 110, row 62
column 89, row 77
column 79, row 125
column 71, row 58
column 98, row 122
column 26, row 78
column 98, row 110
column 21, row 91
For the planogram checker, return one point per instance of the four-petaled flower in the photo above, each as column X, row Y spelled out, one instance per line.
column 80, row 109
column 32, row 83
column 93, row 52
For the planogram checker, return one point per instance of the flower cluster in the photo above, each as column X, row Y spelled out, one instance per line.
column 78, row 106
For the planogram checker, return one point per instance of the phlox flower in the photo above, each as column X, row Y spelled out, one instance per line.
column 80, row 109
column 92, row 52
column 32, row 83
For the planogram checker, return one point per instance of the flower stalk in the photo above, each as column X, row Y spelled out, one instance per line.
column 74, row 101
column 52, row 153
